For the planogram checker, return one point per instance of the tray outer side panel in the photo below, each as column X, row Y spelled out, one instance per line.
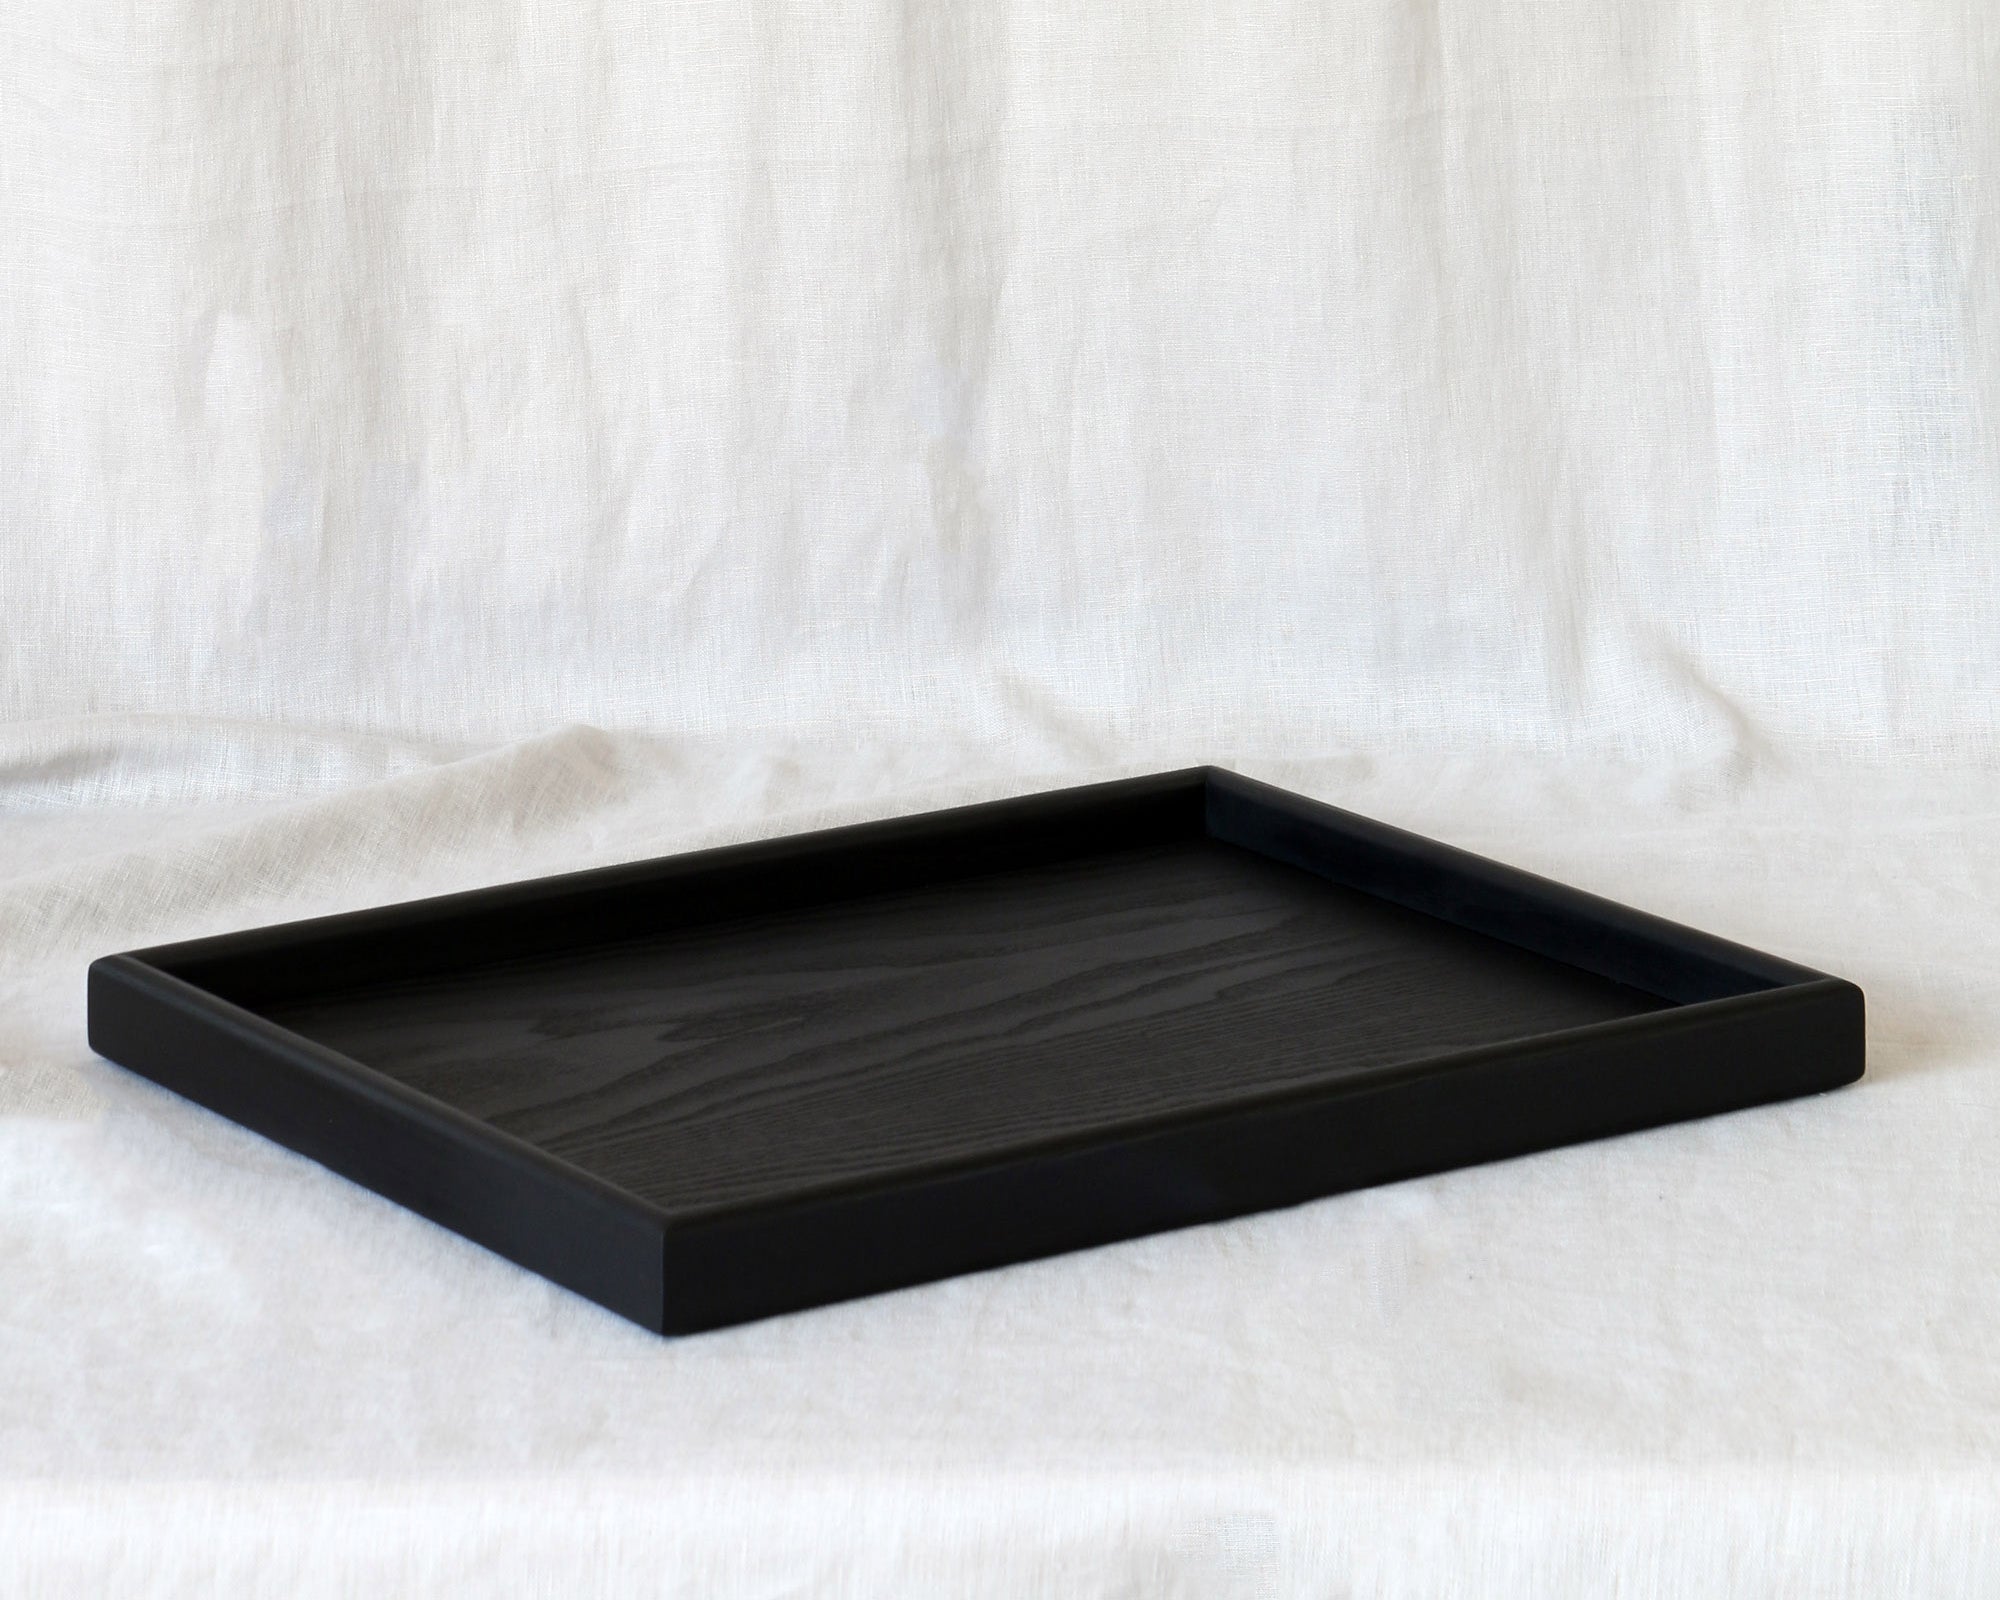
column 474, row 1180
column 1508, row 1100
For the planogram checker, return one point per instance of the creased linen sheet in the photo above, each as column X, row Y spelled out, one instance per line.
column 442, row 443
column 1569, row 374
column 1750, row 1354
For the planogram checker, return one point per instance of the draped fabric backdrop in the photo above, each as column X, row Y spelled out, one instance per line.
column 444, row 442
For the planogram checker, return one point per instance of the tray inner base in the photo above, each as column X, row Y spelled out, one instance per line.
column 750, row 1058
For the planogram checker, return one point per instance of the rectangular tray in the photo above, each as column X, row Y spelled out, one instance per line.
column 717, row 1086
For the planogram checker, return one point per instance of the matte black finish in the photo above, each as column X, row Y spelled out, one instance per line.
column 723, row 1085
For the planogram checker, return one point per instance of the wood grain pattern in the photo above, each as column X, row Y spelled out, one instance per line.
column 761, row 1056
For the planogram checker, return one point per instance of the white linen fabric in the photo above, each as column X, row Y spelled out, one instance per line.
column 442, row 444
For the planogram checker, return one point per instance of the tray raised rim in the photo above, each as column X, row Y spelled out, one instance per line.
column 1714, row 986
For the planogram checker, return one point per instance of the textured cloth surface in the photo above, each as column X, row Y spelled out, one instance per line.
column 1564, row 374
column 444, row 443
column 1751, row 1354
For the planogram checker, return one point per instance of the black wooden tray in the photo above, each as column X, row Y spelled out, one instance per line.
column 717, row 1086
